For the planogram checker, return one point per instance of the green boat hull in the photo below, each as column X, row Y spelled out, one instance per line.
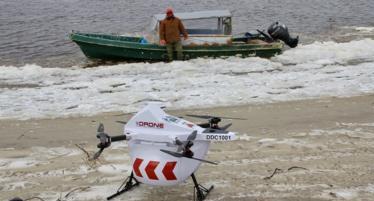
column 113, row 47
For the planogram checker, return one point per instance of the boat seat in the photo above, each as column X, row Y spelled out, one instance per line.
column 204, row 31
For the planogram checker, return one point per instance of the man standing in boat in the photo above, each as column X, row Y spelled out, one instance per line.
column 170, row 29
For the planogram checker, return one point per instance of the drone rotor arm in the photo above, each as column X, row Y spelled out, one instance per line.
column 118, row 138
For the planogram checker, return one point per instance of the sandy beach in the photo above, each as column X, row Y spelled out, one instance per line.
column 320, row 149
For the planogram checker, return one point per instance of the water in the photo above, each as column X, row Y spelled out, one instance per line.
column 43, row 74
column 37, row 31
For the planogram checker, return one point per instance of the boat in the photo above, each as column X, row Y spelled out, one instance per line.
column 202, row 42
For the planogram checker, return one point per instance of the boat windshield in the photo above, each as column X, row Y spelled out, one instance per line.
column 208, row 26
column 217, row 20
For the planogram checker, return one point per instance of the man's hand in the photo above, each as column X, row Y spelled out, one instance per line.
column 185, row 37
column 162, row 42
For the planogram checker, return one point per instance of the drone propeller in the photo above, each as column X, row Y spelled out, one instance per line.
column 179, row 155
column 183, row 146
column 100, row 129
column 122, row 122
column 213, row 121
column 225, row 127
column 211, row 117
column 97, row 154
column 105, row 141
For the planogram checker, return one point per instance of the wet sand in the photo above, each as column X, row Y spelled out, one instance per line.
column 323, row 148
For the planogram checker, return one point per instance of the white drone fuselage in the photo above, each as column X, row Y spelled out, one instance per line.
column 151, row 130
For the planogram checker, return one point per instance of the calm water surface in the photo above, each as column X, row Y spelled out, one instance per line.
column 36, row 31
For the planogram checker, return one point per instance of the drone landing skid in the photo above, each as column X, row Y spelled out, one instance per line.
column 200, row 192
column 127, row 185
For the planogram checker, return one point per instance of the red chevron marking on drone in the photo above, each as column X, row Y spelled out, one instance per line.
column 150, row 170
column 136, row 166
column 168, row 170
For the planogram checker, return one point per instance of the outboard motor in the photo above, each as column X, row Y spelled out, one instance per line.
column 280, row 31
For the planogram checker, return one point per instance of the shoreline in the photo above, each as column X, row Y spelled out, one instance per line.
column 323, row 148
column 66, row 131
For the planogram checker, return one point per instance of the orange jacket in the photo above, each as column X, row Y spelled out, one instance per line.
column 170, row 30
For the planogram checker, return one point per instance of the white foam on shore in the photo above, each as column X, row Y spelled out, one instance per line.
column 37, row 156
column 358, row 133
column 7, row 163
column 117, row 157
column 64, row 172
column 120, row 146
column 19, row 185
column 245, row 137
column 46, row 153
column 357, row 124
column 309, row 71
column 296, row 143
column 365, row 29
column 114, row 168
column 353, row 32
column 351, row 193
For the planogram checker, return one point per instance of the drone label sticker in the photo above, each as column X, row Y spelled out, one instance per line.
column 150, row 124
column 171, row 119
column 188, row 124
column 218, row 137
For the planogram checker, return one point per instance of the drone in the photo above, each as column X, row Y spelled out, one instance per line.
column 165, row 150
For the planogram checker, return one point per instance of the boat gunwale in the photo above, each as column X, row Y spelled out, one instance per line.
column 155, row 47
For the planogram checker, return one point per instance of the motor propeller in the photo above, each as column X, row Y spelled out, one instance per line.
column 122, row 122
column 225, row 127
column 179, row 155
column 105, row 140
column 185, row 147
column 211, row 117
column 213, row 121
